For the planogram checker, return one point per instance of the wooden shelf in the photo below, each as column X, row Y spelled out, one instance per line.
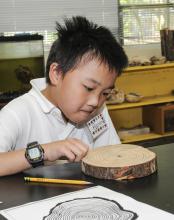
column 145, row 101
column 150, row 67
column 156, row 85
column 149, row 136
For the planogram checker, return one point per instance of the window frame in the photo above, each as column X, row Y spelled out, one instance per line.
column 123, row 7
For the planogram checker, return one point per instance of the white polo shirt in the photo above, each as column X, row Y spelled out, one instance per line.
column 31, row 117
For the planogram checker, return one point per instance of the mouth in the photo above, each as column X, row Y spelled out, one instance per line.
column 88, row 114
column 88, row 111
column 85, row 115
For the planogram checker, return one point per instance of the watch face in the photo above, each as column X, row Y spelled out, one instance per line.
column 34, row 153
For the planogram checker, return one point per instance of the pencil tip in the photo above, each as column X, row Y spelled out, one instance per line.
column 89, row 183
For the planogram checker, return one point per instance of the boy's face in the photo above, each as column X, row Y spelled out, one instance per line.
column 83, row 90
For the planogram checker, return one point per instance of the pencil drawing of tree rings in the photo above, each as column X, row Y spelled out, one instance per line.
column 92, row 208
column 121, row 161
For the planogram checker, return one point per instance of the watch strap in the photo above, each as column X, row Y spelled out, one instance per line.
column 41, row 163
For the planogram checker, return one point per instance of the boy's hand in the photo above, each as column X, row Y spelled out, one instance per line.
column 73, row 149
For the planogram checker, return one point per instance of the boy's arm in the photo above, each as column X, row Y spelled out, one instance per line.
column 14, row 161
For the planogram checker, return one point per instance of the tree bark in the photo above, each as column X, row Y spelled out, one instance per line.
column 119, row 162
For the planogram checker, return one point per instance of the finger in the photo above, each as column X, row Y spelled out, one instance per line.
column 82, row 146
column 69, row 155
column 78, row 149
column 75, row 150
column 78, row 153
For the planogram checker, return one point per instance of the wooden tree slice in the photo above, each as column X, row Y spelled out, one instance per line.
column 122, row 161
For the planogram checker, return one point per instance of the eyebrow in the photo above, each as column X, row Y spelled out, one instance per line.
column 111, row 87
column 98, row 83
column 94, row 81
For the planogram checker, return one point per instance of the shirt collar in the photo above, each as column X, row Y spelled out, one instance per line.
column 37, row 86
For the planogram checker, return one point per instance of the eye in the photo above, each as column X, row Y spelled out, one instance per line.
column 89, row 89
column 107, row 94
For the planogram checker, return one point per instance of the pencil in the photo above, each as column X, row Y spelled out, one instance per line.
column 46, row 180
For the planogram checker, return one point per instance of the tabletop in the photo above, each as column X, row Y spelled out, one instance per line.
column 156, row 189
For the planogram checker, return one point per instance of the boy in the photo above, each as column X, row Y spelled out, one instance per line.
column 65, row 114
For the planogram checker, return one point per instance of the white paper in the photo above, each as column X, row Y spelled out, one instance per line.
column 40, row 209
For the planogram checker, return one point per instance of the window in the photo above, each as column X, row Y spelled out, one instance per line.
column 39, row 16
column 140, row 21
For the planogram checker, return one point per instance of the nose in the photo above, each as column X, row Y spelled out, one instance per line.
column 94, row 100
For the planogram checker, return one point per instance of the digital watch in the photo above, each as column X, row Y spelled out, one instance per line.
column 35, row 154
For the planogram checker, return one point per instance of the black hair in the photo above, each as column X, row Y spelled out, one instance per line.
column 80, row 37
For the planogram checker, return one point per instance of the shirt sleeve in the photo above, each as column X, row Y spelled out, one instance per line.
column 110, row 136
column 9, row 129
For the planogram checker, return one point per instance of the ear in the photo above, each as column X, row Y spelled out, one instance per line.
column 55, row 74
